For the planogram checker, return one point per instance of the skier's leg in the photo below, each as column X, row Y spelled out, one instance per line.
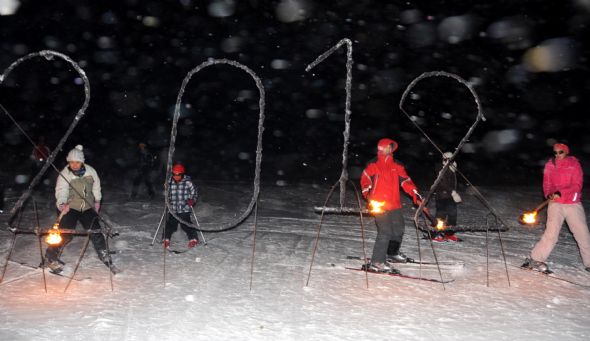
column 384, row 235
column 171, row 226
column 191, row 233
column 89, row 219
column 576, row 220
column 555, row 218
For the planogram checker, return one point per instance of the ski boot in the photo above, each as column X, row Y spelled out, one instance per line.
column 55, row 266
column 105, row 258
column 398, row 258
column 532, row 264
column 588, row 268
column 376, row 267
column 167, row 244
column 192, row 243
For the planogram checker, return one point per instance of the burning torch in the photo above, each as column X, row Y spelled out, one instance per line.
column 530, row 218
column 54, row 236
column 376, row 207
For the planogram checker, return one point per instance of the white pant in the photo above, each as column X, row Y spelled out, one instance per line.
column 575, row 217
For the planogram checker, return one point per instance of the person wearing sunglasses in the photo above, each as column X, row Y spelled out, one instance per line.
column 562, row 185
column 182, row 196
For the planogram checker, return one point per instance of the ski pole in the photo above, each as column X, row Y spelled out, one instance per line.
column 199, row 225
column 158, row 229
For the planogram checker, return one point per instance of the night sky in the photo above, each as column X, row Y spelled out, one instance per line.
column 527, row 60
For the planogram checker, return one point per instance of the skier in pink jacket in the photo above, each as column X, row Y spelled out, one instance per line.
column 562, row 185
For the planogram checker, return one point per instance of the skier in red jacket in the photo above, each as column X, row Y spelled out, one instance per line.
column 380, row 183
column 562, row 184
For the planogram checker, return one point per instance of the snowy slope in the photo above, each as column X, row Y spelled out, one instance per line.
column 206, row 294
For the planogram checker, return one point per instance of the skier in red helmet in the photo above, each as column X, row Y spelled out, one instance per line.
column 182, row 197
column 380, row 183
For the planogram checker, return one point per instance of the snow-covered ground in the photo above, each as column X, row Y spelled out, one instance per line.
column 206, row 293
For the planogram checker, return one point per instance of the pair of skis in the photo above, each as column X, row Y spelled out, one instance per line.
column 412, row 263
column 551, row 274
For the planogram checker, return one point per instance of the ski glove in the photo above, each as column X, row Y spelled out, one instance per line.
column 190, row 202
column 554, row 195
column 63, row 208
column 97, row 206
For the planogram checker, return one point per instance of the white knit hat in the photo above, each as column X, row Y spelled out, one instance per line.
column 76, row 154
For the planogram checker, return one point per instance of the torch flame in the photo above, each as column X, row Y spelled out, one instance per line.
column 440, row 224
column 376, row 206
column 530, row 217
column 54, row 237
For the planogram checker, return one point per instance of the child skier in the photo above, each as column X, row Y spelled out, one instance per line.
column 182, row 197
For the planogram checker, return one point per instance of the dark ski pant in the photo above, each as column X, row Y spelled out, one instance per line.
column 172, row 226
column 446, row 209
column 390, row 230
column 89, row 220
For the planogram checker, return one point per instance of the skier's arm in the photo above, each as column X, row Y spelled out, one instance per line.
column 576, row 181
column 367, row 180
column 62, row 189
column 96, row 188
column 548, row 186
column 408, row 185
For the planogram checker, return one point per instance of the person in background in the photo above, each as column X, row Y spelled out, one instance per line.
column 182, row 197
column 446, row 199
column 380, row 183
column 562, row 185
column 78, row 195
column 145, row 164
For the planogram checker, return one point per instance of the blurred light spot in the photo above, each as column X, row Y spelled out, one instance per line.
column 583, row 4
column 9, row 7
column 410, row 16
column 292, row 10
column 150, row 21
column 513, row 32
column 231, row 44
column 501, row 140
column 552, row 55
column 105, row 43
column 280, row 172
column 51, row 42
column 21, row 179
column 278, row 133
column 108, row 18
column 446, row 115
column 281, row 183
column 421, row 35
column 314, row 113
column 280, row 64
column 243, row 156
column 20, row 49
column 456, row 29
column 221, row 8
column 244, row 95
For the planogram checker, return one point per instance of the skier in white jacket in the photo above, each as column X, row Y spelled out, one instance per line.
column 78, row 195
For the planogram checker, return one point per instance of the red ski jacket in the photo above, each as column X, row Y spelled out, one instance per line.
column 563, row 176
column 381, row 179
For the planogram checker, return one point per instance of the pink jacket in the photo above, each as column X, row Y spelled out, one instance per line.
column 564, row 176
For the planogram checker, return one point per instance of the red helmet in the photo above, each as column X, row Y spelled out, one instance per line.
column 178, row 169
